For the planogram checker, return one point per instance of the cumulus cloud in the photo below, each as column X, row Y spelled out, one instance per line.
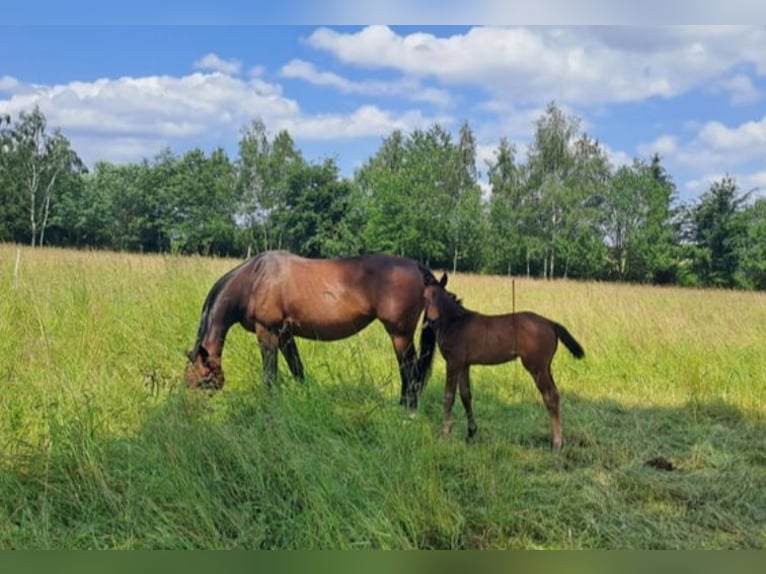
column 664, row 146
column 720, row 145
column 409, row 88
column 364, row 122
column 578, row 65
column 211, row 62
column 128, row 118
column 715, row 150
column 747, row 181
column 741, row 90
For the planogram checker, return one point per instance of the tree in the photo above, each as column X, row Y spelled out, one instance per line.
column 466, row 216
column 318, row 204
column 508, row 213
column 550, row 164
column 404, row 190
column 639, row 223
column 203, row 199
column 719, row 233
column 262, row 170
column 753, row 252
column 580, row 239
column 38, row 164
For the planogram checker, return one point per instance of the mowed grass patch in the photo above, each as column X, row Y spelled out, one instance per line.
column 103, row 447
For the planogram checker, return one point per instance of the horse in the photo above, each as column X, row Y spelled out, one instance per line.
column 280, row 296
column 466, row 338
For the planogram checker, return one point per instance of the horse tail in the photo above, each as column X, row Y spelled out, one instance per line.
column 426, row 357
column 569, row 341
column 427, row 336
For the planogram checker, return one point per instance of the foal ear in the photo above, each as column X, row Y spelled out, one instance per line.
column 443, row 280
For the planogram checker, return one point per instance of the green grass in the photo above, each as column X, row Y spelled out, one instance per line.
column 101, row 446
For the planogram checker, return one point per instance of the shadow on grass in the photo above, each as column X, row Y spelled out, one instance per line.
column 343, row 466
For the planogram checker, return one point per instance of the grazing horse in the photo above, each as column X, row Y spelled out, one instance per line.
column 468, row 338
column 280, row 296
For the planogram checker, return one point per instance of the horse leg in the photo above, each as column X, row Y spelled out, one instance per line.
column 547, row 387
column 268, row 342
column 290, row 351
column 407, row 359
column 464, row 384
column 451, row 383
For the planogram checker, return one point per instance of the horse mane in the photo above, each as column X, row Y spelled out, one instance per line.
column 428, row 277
column 452, row 304
column 257, row 263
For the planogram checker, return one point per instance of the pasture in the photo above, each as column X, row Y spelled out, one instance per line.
column 101, row 445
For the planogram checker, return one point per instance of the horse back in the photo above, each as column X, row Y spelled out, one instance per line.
column 330, row 299
column 479, row 339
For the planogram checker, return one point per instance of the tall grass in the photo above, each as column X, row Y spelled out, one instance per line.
column 103, row 447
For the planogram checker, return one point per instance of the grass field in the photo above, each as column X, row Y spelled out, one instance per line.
column 101, row 446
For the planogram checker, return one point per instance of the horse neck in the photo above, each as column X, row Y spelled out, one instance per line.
column 450, row 311
column 218, row 317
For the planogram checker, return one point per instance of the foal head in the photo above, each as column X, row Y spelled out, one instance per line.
column 203, row 371
column 438, row 301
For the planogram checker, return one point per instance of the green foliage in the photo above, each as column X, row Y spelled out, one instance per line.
column 719, row 233
column 639, row 223
column 752, row 263
column 564, row 211
column 421, row 198
column 37, row 169
column 317, row 204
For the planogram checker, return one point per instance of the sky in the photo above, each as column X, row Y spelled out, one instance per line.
column 123, row 88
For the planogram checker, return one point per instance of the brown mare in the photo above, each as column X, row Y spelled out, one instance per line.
column 280, row 296
column 468, row 338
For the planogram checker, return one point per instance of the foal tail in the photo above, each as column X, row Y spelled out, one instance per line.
column 569, row 341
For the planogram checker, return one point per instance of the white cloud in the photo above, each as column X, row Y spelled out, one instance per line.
column 746, row 182
column 364, row 122
column 617, row 158
column 665, row 146
column 741, row 90
column 212, row 63
column 748, row 140
column 409, row 88
column 8, row 84
column 575, row 65
column 126, row 119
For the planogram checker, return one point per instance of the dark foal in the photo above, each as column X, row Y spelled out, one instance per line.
column 280, row 296
column 468, row 338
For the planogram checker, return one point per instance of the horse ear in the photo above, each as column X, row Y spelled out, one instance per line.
column 443, row 280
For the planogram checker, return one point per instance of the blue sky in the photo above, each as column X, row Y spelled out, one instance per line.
column 695, row 95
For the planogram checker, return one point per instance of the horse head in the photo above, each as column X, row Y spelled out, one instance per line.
column 203, row 371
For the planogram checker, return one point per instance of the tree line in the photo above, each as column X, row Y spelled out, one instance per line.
column 563, row 210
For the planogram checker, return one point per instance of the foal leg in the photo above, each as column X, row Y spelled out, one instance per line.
column 464, row 384
column 268, row 343
column 451, row 383
column 547, row 387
